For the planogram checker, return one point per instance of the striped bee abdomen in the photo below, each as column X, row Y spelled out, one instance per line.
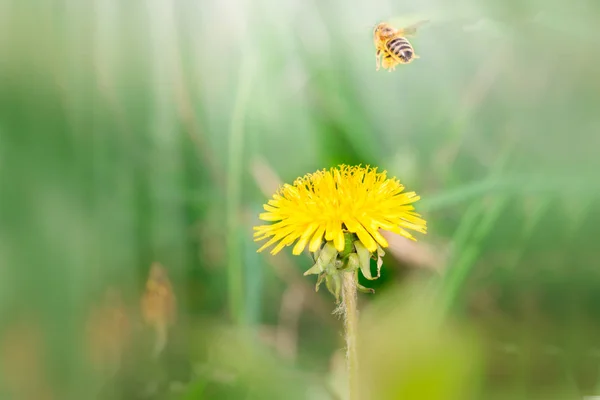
column 401, row 48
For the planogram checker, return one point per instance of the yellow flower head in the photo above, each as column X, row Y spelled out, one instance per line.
column 328, row 203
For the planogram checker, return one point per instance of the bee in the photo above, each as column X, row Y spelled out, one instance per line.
column 392, row 46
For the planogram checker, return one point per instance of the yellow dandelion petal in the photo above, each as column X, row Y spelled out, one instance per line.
column 411, row 197
column 414, row 218
column 378, row 238
column 317, row 239
column 269, row 216
column 329, row 233
column 288, row 240
column 338, row 239
column 258, row 238
column 406, row 234
column 270, row 208
column 351, row 223
column 415, row 227
column 299, row 247
column 277, row 237
column 330, row 202
column 386, row 225
column 366, row 239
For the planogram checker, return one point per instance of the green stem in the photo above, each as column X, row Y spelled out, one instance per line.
column 350, row 328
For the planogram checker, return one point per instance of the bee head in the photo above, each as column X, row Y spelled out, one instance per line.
column 383, row 31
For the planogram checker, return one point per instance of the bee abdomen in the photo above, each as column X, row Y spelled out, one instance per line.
column 401, row 48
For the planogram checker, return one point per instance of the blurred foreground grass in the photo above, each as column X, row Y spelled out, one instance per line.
column 133, row 133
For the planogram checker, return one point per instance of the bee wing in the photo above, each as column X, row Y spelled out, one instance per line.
column 412, row 29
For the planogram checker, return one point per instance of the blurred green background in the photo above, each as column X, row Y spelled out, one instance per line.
column 136, row 132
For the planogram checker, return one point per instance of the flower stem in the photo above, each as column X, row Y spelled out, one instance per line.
column 351, row 327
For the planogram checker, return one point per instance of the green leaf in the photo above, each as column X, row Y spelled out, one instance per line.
column 380, row 254
column 364, row 256
column 326, row 257
column 334, row 284
column 319, row 281
column 361, row 287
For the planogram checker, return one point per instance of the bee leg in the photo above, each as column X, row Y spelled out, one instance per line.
column 388, row 63
column 378, row 60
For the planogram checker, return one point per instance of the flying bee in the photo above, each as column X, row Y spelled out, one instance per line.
column 392, row 46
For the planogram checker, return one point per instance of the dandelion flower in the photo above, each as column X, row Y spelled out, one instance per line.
column 345, row 207
column 328, row 203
